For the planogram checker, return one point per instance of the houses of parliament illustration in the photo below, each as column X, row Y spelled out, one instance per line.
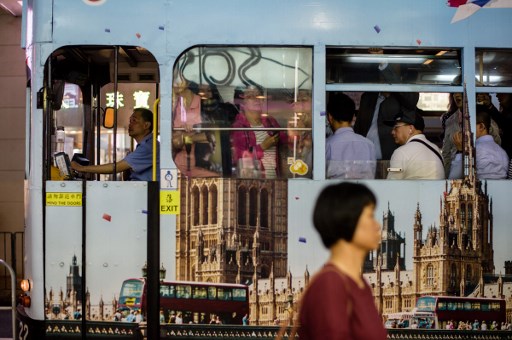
column 235, row 230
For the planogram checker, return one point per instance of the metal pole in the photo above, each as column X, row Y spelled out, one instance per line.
column 153, row 257
column 13, row 297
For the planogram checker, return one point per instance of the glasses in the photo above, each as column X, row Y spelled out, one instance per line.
column 397, row 126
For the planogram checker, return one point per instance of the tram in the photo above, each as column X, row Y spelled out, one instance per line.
column 214, row 209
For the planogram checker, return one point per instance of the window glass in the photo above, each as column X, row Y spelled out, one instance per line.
column 199, row 293
column 243, row 112
column 239, row 294
column 404, row 66
column 344, row 160
column 166, row 291
column 493, row 67
column 224, row 293
column 183, row 291
column 212, row 293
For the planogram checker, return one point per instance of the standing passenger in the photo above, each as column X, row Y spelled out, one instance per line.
column 258, row 146
column 338, row 303
column 348, row 155
column 417, row 157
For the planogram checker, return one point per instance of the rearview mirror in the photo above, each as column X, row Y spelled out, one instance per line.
column 108, row 118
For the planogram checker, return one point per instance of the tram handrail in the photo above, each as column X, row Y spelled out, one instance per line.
column 13, row 297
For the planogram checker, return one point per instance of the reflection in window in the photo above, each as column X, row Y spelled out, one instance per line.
column 259, row 96
column 493, row 67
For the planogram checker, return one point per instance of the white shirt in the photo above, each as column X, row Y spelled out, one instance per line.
column 414, row 160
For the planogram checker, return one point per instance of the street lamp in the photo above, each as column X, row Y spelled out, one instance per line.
column 162, row 272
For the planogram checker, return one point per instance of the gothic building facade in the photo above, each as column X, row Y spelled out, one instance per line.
column 392, row 247
column 231, row 230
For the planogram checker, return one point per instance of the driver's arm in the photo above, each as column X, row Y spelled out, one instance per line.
column 102, row 168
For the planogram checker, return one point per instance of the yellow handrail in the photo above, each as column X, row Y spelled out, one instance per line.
column 155, row 132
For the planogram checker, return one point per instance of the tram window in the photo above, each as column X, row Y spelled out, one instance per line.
column 243, row 112
column 410, row 66
column 493, row 67
column 433, row 106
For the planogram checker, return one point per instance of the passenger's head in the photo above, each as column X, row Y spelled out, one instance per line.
column 406, row 124
column 483, row 123
column 341, row 107
column 338, row 210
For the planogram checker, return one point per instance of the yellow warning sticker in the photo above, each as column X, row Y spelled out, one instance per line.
column 64, row 199
column 169, row 202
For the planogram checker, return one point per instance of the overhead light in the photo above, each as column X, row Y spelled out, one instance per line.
column 374, row 59
column 440, row 53
column 428, row 61
column 450, row 77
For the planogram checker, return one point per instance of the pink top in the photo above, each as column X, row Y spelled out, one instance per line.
column 335, row 307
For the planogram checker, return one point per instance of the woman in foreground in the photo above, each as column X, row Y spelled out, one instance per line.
column 338, row 303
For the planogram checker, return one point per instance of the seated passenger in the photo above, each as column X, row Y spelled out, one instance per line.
column 417, row 157
column 492, row 161
column 348, row 155
column 256, row 152
column 187, row 115
column 140, row 161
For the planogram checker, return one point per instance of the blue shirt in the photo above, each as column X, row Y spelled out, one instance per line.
column 349, row 155
column 373, row 132
column 491, row 160
column 141, row 160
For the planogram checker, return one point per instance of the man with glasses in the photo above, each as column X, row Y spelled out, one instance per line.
column 417, row 157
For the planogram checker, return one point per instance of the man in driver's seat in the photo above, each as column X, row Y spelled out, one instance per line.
column 140, row 161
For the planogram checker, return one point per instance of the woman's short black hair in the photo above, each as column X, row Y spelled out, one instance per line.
column 337, row 210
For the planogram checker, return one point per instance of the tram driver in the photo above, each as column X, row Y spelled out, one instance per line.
column 140, row 161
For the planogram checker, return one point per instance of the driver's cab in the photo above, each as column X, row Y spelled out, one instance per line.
column 88, row 97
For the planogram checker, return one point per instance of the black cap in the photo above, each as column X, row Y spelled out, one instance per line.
column 412, row 117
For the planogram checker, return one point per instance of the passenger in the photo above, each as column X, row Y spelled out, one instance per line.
column 491, row 160
column 338, row 302
column 452, row 122
column 417, row 157
column 215, row 113
column 162, row 316
column 256, row 152
column 187, row 115
column 140, row 161
column 483, row 327
column 348, row 155
column 503, row 118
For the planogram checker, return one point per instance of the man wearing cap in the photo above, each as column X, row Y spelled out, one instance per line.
column 417, row 157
